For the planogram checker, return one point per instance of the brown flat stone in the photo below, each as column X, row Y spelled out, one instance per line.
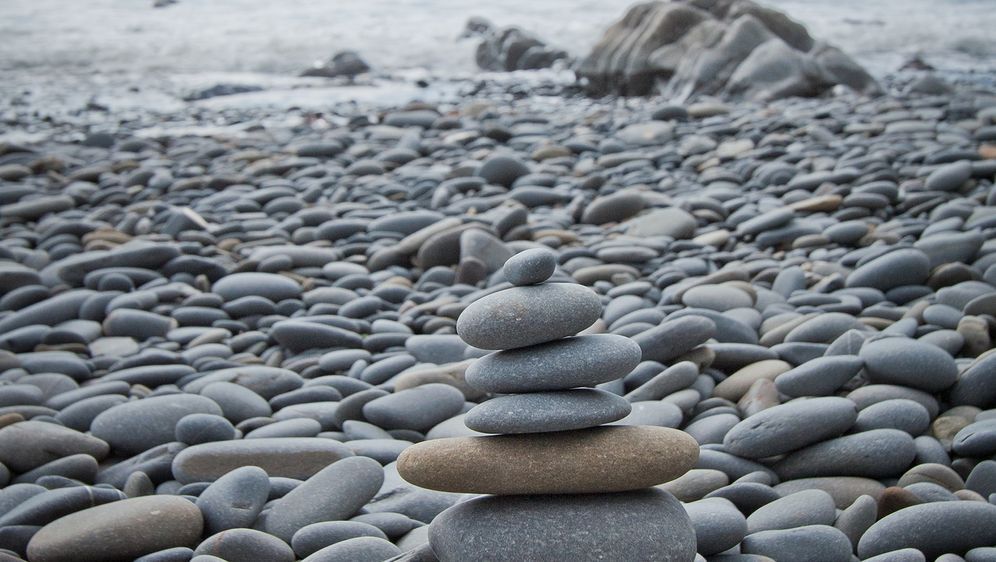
column 596, row 460
column 735, row 386
column 119, row 531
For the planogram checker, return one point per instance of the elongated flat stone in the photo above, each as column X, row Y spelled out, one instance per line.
column 522, row 316
column 547, row 411
column 557, row 365
column 639, row 525
column 119, row 531
column 290, row 457
column 791, row 426
column 604, row 459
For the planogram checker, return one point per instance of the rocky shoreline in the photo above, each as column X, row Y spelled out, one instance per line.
column 220, row 327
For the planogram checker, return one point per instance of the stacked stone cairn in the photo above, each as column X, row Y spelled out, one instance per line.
column 557, row 482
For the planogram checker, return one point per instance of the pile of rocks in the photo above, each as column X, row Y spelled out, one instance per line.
column 562, row 484
column 730, row 47
column 244, row 311
column 509, row 48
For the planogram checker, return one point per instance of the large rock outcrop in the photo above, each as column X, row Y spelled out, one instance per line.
column 716, row 47
column 509, row 48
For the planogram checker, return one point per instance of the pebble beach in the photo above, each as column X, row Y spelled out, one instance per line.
column 424, row 317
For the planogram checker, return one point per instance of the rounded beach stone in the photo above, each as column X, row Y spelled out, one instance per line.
column 907, row 362
column 523, row 316
column 638, row 525
column 237, row 402
column 289, row 457
column 139, row 425
column 894, row 269
column 194, row 429
column 813, row 543
column 122, row 530
column 674, row 337
column 719, row 525
column 976, row 386
column 949, row 177
column 267, row 285
column 854, row 520
column 358, row 549
column 604, row 459
column 735, row 386
column 900, row 413
column 138, row 324
column 530, row 267
column 502, row 169
column 312, row 538
column 809, row 507
column 791, row 426
column 26, row 445
column 235, row 499
column 245, row 545
column 547, row 411
column 558, row 365
column 932, row 528
column 879, row 453
column 418, row 408
column 334, row 493
column 976, row 439
column 819, row 377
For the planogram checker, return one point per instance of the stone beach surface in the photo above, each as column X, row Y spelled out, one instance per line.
column 747, row 331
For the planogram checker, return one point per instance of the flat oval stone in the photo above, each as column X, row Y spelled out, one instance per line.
column 245, row 545
column 910, row 363
column 894, row 269
column 791, row 426
column 558, row 365
column 547, row 411
column 418, row 408
column 314, row 537
column 977, row 439
column 122, row 530
column 358, row 549
column 902, row 414
column 932, row 528
column 819, row 377
column 29, row 444
column 813, row 543
column 719, row 525
column 879, row 453
column 638, row 525
column 336, row 492
column 809, row 507
column 530, row 267
column 604, row 459
column 268, row 285
column 139, row 425
column 522, row 316
column 289, row 457
column 235, row 499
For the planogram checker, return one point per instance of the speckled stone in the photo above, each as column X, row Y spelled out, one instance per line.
column 523, row 316
column 908, row 362
column 791, row 426
column 878, row 453
column 547, row 411
column 530, row 267
column 118, row 531
column 932, row 528
column 638, row 525
column 606, row 459
column 268, row 285
column 558, row 365
column 290, row 457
